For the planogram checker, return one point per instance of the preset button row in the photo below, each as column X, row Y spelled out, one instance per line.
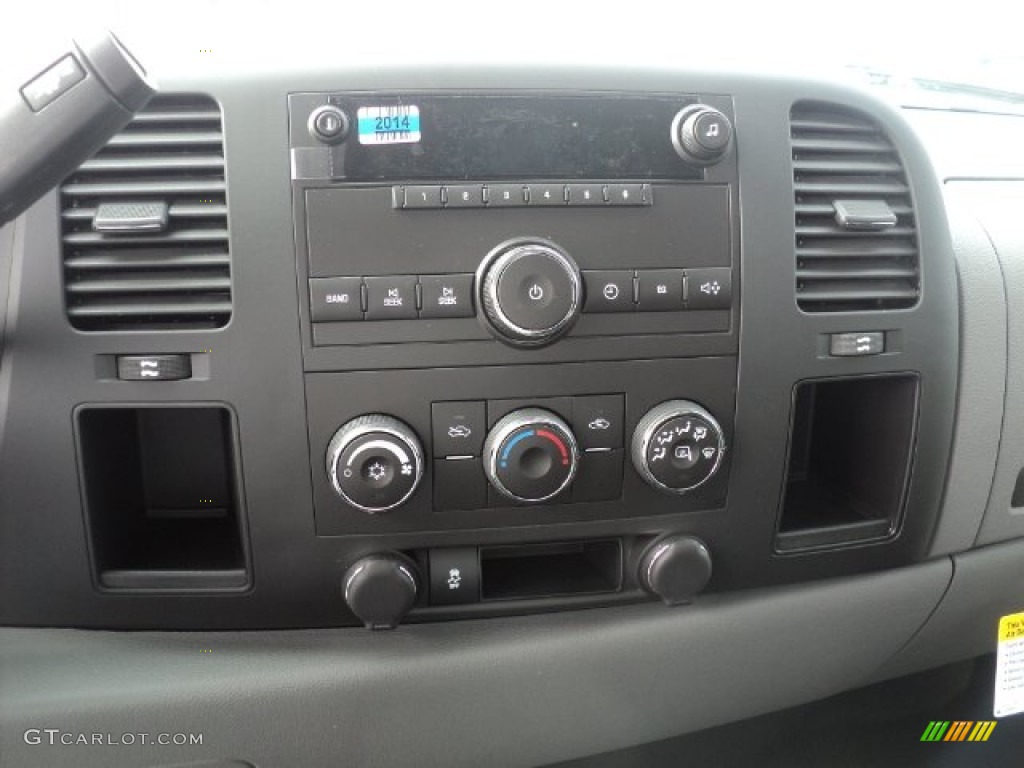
column 392, row 297
column 539, row 195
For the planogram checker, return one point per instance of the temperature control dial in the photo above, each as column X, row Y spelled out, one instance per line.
column 677, row 446
column 530, row 455
column 530, row 292
column 375, row 462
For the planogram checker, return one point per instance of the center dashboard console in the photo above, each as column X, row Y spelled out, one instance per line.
column 562, row 271
column 517, row 223
column 583, row 342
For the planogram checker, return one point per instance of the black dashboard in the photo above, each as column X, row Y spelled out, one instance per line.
column 456, row 351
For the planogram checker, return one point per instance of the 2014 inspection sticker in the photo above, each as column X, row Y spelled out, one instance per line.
column 393, row 124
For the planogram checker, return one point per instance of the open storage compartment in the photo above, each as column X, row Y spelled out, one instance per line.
column 161, row 495
column 850, row 454
column 550, row 570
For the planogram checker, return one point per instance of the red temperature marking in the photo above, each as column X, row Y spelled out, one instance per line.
column 562, row 449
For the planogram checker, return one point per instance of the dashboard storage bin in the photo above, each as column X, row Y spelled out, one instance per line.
column 162, row 497
column 849, row 462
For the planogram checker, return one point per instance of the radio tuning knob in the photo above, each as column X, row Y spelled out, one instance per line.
column 529, row 291
column 677, row 446
column 375, row 462
column 701, row 134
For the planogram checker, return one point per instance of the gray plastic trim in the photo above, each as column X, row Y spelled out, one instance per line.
column 986, row 585
column 982, row 379
column 998, row 204
column 517, row 692
column 6, row 254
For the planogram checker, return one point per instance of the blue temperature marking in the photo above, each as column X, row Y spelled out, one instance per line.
column 511, row 444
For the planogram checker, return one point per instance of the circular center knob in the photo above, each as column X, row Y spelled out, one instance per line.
column 677, row 446
column 530, row 292
column 374, row 462
column 530, row 455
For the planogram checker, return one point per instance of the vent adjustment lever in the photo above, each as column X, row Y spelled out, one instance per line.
column 130, row 217
column 864, row 215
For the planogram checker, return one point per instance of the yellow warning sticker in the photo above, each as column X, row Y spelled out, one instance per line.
column 1011, row 627
column 1009, row 695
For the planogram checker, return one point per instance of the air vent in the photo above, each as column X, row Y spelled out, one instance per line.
column 856, row 241
column 144, row 224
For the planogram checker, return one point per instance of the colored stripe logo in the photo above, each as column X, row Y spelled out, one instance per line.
column 958, row 730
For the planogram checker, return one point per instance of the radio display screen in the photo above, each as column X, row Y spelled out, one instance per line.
column 472, row 136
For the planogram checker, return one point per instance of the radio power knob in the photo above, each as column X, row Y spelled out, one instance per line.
column 701, row 134
column 677, row 446
column 530, row 292
column 375, row 462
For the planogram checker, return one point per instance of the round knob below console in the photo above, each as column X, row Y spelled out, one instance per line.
column 529, row 291
column 381, row 589
column 375, row 462
column 675, row 568
column 677, row 446
column 530, row 455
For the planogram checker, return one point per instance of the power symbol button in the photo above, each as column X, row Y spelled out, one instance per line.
column 536, row 292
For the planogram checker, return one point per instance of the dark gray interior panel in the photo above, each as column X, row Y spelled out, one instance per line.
column 482, row 682
column 260, row 364
column 522, row 692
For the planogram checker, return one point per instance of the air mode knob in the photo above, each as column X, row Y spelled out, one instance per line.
column 375, row 462
column 701, row 134
column 530, row 291
column 530, row 455
column 677, row 446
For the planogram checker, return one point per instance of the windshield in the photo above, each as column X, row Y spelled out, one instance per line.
column 917, row 52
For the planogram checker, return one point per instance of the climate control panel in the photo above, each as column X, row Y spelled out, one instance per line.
column 530, row 455
column 415, row 451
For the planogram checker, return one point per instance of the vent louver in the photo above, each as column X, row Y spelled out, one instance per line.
column 157, row 257
column 841, row 156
